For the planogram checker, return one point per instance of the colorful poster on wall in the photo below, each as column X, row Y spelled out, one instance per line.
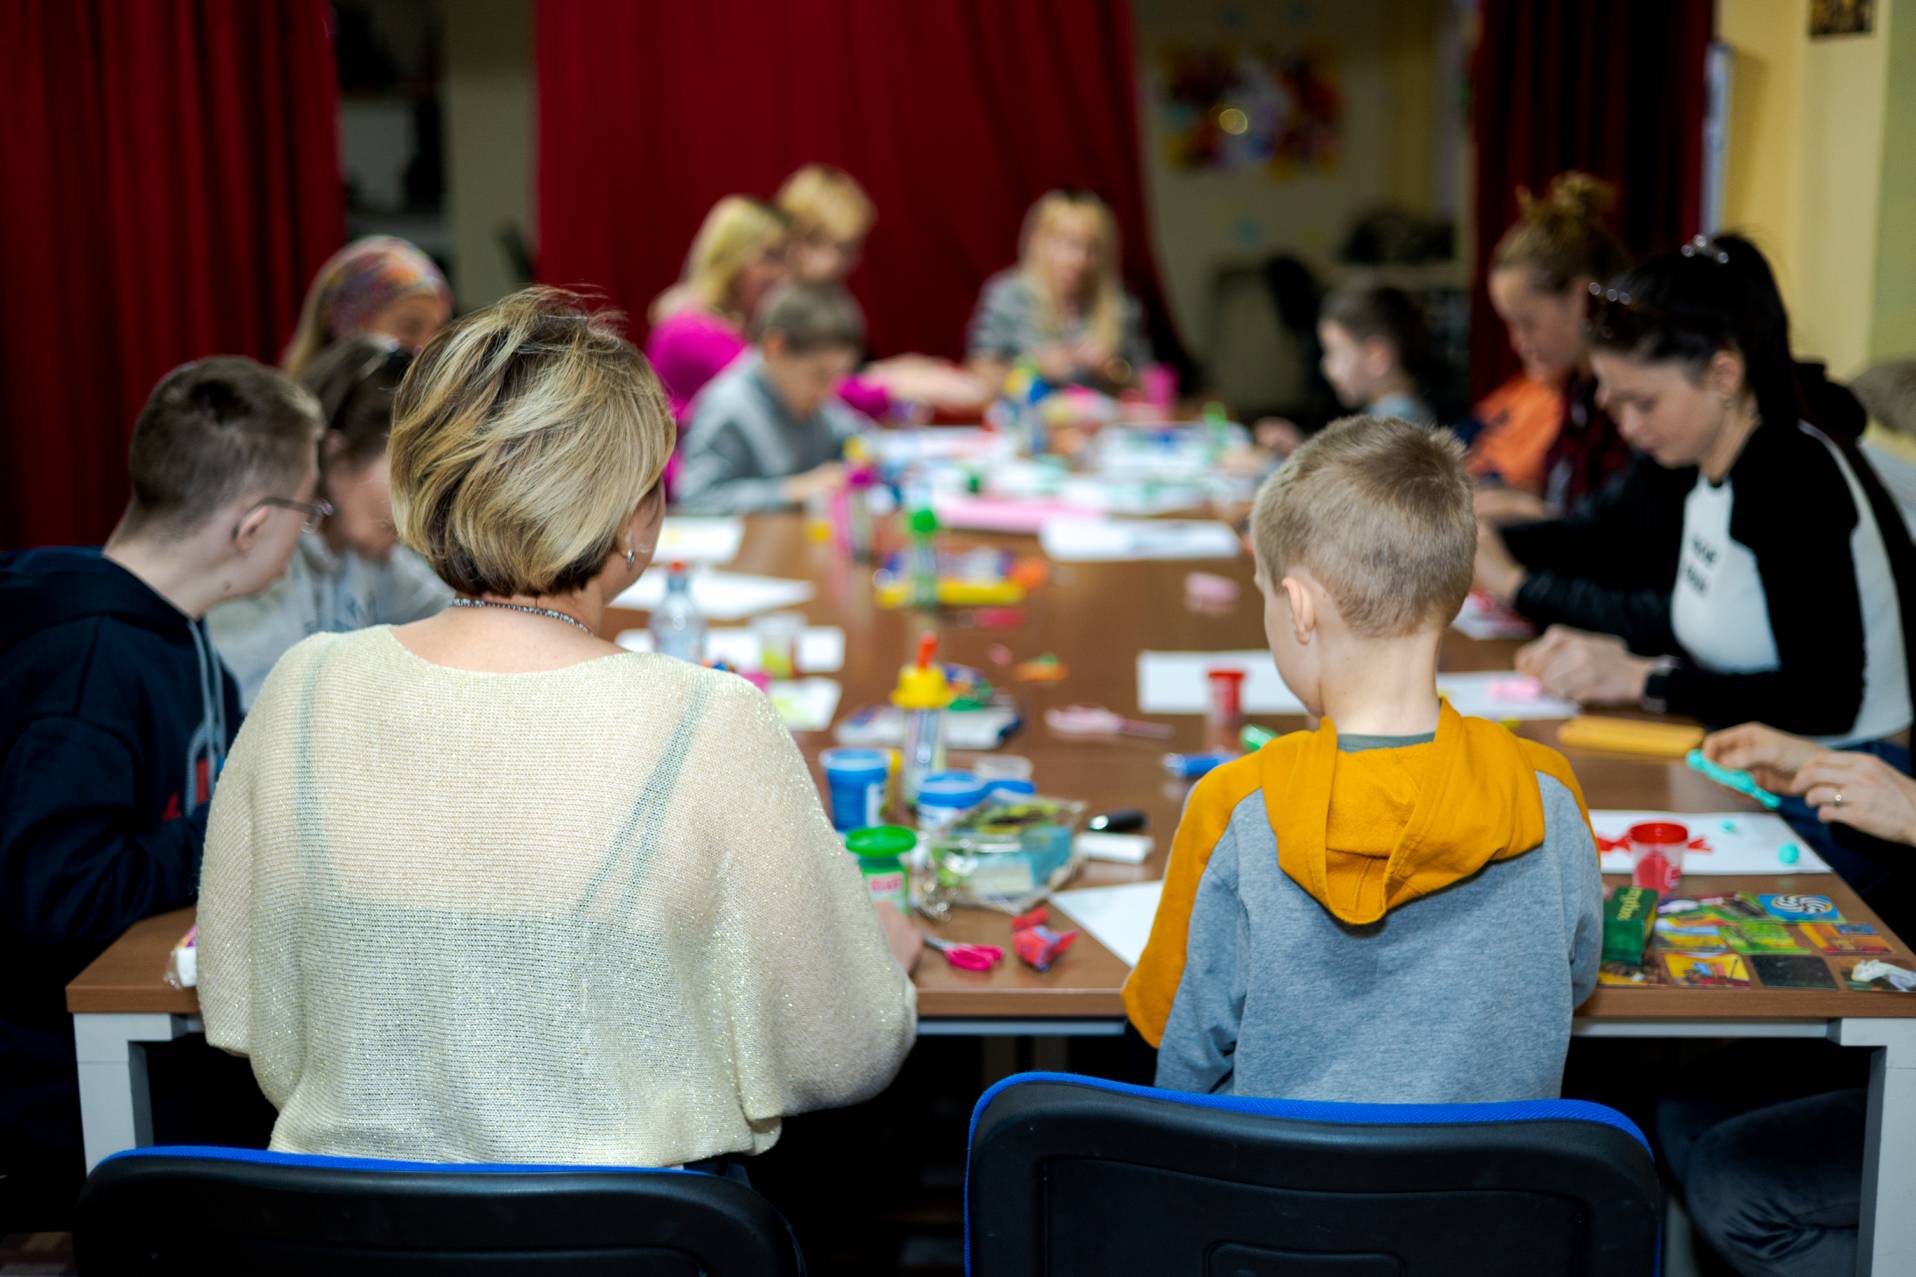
column 1229, row 106
column 1841, row 17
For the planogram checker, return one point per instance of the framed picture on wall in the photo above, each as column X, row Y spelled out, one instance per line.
column 1841, row 17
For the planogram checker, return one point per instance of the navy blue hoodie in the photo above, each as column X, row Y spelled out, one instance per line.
column 115, row 716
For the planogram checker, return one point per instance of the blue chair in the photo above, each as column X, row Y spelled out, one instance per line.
column 225, row 1210
column 1073, row 1175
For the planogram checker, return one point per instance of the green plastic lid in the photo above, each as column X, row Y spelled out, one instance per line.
column 924, row 522
column 880, row 841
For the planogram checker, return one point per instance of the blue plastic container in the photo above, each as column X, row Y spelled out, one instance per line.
column 856, row 779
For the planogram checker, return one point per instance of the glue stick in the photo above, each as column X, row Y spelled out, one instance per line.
column 922, row 693
column 921, row 558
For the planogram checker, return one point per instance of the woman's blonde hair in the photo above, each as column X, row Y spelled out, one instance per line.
column 1564, row 236
column 523, row 437
column 823, row 202
column 1103, row 308
column 733, row 235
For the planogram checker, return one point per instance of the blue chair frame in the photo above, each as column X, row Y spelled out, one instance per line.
column 1076, row 1175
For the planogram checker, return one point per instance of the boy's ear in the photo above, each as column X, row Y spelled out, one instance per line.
column 252, row 523
column 1303, row 609
column 772, row 341
column 1379, row 355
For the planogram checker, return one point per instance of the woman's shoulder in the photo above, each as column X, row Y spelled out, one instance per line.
column 1786, row 475
column 1008, row 287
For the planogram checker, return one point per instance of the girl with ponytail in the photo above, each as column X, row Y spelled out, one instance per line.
column 1751, row 561
column 1539, row 281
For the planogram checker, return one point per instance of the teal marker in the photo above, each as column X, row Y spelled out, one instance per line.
column 1739, row 781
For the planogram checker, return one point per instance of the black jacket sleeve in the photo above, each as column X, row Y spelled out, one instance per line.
column 1608, row 567
column 1794, row 512
column 78, row 864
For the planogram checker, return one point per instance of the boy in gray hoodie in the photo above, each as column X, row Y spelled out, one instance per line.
column 1404, row 904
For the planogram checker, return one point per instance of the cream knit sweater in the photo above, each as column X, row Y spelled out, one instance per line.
column 589, row 915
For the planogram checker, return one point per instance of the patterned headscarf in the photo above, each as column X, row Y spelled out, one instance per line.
column 368, row 275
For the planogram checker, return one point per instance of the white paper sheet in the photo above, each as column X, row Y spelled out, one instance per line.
column 1501, row 694
column 1076, row 540
column 1173, row 682
column 721, row 596
column 821, row 648
column 1119, row 917
column 805, row 704
column 1739, row 842
column 699, row 540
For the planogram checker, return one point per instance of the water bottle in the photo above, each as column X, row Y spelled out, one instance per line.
column 677, row 628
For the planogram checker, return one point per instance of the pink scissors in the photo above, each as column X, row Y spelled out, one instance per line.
column 968, row 957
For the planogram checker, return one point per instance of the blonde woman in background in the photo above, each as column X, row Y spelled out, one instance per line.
column 830, row 217
column 486, row 887
column 699, row 324
column 379, row 286
column 1062, row 306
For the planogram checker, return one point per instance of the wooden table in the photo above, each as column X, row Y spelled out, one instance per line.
column 1095, row 618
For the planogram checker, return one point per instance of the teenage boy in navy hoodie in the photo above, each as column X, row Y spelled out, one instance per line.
column 115, row 716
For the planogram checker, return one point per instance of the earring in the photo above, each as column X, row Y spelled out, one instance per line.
column 631, row 555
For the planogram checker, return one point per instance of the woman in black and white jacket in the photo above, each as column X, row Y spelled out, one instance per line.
column 1748, row 565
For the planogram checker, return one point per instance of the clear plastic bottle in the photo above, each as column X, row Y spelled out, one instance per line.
column 921, row 559
column 677, row 627
column 922, row 694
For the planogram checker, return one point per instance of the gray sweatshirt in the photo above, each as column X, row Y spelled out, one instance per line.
column 1461, row 995
column 742, row 442
column 320, row 593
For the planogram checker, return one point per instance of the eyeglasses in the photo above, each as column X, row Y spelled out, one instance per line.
column 315, row 511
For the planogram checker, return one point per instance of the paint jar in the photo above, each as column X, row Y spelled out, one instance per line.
column 880, row 850
column 945, row 796
column 856, row 781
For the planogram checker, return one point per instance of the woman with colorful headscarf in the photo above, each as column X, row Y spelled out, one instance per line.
column 379, row 286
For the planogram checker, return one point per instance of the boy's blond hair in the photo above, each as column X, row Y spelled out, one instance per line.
column 825, row 203
column 1379, row 510
column 524, row 435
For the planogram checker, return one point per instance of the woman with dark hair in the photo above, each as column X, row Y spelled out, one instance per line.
column 350, row 571
column 1748, row 559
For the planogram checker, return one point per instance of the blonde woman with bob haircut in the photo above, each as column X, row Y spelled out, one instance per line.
column 488, row 888
column 699, row 324
column 1062, row 306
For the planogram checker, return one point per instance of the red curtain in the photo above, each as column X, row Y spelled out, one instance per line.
column 953, row 114
column 1612, row 87
column 172, row 173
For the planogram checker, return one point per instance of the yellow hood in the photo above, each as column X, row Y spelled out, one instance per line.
column 1365, row 832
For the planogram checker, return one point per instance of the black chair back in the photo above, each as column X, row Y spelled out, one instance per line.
column 1072, row 1175
column 215, row 1210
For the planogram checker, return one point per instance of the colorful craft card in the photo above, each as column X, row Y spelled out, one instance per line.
column 1844, row 937
column 1789, row 971
column 1630, row 974
column 1705, row 937
column 1707, row 970
column 1733, row 908
column 1795, row 908
column 1764, row 937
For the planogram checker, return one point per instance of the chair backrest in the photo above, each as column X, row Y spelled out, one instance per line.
column 1073, row 1175
column 223, row 1210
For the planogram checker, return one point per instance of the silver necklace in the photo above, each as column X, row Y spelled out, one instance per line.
column 527, row 608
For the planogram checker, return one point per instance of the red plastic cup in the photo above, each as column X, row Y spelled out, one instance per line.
column 1656, row 855
column 1226, row 714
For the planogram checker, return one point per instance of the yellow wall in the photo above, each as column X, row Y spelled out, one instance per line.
column 1805, row 170
column 1893, row 328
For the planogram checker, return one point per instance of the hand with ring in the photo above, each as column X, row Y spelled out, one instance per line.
column 1859, row 790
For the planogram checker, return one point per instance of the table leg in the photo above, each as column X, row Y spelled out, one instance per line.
column 1886, row 1225
column 115, row 1108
